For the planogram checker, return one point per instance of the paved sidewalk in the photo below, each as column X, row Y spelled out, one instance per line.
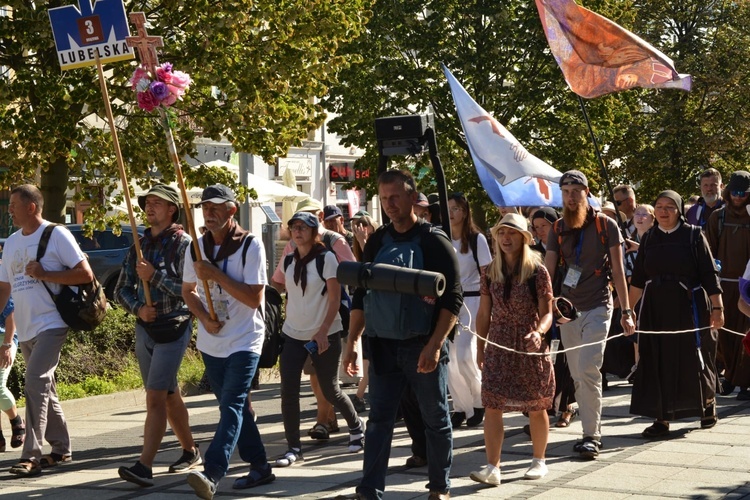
column 694, row 463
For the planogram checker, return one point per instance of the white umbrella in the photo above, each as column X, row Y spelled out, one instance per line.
column 288, row 207
column 268, row 190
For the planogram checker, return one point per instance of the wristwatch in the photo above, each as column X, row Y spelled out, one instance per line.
column 627, row 312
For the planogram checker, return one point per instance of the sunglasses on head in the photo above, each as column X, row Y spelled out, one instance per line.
column 457, row 196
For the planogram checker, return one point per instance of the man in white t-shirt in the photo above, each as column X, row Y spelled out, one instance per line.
column 41, row 329
column 234, row 269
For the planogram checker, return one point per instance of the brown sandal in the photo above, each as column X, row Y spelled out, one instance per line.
column 53, row 460
column 26, row 468
column 565, row 418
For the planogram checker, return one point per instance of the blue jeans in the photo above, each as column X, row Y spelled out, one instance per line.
column 393, row 363
column 230, row 380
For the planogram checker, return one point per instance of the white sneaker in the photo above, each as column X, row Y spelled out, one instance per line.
column 537, row 470
column 488, row 475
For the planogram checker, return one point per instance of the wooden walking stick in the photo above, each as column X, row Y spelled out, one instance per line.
column 146, row 47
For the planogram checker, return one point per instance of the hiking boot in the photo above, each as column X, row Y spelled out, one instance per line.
column 187, row 461
column 138, row 474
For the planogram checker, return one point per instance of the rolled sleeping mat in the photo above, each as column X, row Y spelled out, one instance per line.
column 390, row 278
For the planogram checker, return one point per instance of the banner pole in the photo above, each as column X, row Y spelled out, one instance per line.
column 605, row 174
column 123, row 174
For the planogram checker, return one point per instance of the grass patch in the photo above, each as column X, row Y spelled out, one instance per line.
column 128, row 378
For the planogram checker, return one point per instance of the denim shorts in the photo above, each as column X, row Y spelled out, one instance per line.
column 159, row 363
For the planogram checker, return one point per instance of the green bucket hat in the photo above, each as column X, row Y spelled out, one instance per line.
column 164, row 192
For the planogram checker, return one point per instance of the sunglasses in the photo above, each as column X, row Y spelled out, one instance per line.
column 739, row 194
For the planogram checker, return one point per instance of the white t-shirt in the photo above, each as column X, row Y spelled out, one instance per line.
column 467, row 266
column 35, row 311
column 305, row 313
column 244, row 327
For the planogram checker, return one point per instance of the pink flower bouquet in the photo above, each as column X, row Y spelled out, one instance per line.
column 164, row 90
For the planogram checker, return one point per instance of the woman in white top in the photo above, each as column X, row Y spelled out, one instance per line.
column 464, row 377
column 312, row 327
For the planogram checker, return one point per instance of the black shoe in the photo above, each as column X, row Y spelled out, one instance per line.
column 359, row 403
column 605, row 384
column 415, row 461
column 187, row 461
column 726, row 387
column 476, row 419
column 138, row 474
column 743, row 395
column 457, row 418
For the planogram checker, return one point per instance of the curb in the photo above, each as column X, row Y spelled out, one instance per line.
column 104, row 403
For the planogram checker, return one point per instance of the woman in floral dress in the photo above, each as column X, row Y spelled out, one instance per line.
column 514, row 313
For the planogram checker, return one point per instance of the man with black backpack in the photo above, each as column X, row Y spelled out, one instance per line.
column 41, row 329
column 582, row 249
column 406, row 337
column 163, row 329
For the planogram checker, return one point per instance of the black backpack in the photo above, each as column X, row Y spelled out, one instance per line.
column 273, row 341
column 81, row 310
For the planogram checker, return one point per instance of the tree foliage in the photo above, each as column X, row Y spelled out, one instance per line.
column 256, row 65
column 654, row 139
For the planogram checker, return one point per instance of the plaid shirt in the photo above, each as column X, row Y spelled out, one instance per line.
column 166, row 284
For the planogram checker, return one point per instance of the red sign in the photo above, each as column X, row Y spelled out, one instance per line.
column 345, row 172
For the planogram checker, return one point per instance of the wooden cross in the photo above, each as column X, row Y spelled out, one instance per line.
column 143, row 43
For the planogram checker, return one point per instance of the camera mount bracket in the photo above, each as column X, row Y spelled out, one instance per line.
column 408, row 135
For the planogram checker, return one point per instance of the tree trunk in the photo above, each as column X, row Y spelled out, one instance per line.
column 54, row 185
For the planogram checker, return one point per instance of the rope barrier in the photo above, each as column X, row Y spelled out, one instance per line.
column 561, row 351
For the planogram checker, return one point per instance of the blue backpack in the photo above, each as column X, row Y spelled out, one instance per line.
column 395, row 315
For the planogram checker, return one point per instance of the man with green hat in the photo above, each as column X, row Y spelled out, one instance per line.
column 162, row 330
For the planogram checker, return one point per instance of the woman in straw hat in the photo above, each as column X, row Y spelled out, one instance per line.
column 515, row 311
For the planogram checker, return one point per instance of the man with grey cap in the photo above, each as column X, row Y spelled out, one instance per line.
column 728, row 234
column 582, row 249
column 233, row 264
column 162, row 330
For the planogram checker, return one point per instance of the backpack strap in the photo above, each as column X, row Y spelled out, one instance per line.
column 42, row 249
column 320, row 262
column 248, row 240
column 44, row 240
column 473, row 245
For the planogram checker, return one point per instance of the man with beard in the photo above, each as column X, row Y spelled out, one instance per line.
column 583, row 247
column 728, row 236
column 710, row 200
